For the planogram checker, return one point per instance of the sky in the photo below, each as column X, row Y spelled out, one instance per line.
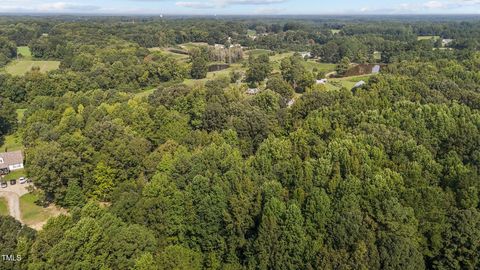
column 242, row 7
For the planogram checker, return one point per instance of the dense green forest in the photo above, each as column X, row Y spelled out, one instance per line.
column 204, row 176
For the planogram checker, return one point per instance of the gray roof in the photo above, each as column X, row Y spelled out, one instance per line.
column 11, row 158
column 360, row 83
column 376, row 69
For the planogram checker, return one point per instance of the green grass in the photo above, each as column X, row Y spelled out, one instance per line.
column 31, row 212
column 377, row 56
column 323, row 67
column 335, row 31
column 20, row 67
column 20, row 114
column 251, row 32
column 191, row 45
column 12, row 143
column 25, row 52
column 15, row 175
column 335, row 84
column 257, row 52
column 428, row 37
column 3, row 207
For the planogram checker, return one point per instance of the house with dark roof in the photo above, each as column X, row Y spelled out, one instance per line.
column 11, row 161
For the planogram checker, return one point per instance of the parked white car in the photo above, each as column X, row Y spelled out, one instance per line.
column 22, row 180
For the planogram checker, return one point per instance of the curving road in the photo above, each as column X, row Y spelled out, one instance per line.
column 12, row 195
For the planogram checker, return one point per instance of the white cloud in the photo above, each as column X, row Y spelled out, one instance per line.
column 226, row 3
column 42, row 7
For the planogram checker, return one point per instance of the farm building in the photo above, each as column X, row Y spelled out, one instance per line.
column 11, row 161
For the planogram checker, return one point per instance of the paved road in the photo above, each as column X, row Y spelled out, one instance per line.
column 13, row 201
column 13, row 194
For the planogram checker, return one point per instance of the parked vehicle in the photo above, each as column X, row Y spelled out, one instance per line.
column 22, row 180
column 3, row 184
column 13, row 182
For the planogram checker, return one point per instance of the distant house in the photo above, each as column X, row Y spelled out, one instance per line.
column 446, row 42
column 306, row 54
column 376, row 69
column 219, row 46
column 359, row 84
column 11, row 161
column 290, row 103
column 253, row 91
column 322, row 81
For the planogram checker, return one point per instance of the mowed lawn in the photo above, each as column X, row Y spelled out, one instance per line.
column 15, row 175
column 428, row 37
column 3, row 207
column 25, row 52
column 31, row 212
column 20, row 67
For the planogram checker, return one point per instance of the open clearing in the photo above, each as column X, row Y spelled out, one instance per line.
column 36, row 216
column 20, row 67
column 428, row 37
column 13, row 142
column 25, row 52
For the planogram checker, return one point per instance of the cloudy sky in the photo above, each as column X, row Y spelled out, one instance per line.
column 212, row 7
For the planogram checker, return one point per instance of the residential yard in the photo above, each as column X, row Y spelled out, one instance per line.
column 20, row 67
column 15, row 175
column 34, row 215
column 3, row 207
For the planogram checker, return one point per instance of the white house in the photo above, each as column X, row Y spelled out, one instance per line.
column 359, row 84
column 11, row 161
column 322, row 81
column 253, row 91
column 306, row 54
column 446, row 41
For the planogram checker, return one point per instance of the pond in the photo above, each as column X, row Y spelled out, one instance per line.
column 217, row 67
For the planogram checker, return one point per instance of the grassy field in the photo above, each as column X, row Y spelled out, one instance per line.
column 3, row 207
column 251, row 32
column 165, row 51
column 31, row 212
column 347, row 82
column 13, row 142
column 335, row 31
column 25, row 52
column 428, row 37
column 191, row 45
column 20, row 67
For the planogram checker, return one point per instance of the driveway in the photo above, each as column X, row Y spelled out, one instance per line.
column 12, row 194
